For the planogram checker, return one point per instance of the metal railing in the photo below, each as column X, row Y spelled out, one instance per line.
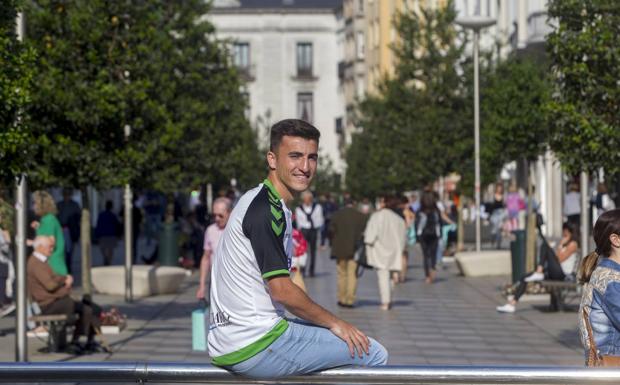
column 142, row 372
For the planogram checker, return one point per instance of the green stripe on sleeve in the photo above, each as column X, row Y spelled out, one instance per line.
column 254, row 348
column 276, row 272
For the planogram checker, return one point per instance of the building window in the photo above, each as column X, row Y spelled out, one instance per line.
column 360, row 45
column 305, row 108
column 304, row 59
column 360, row 6
column 247, row 111
column 241, row 56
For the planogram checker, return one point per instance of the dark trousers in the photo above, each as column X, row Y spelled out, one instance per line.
column 429, row 250
column 310, row 235
column 86, row 322
column 552, row 267
column 574, row 219
column 324, row 232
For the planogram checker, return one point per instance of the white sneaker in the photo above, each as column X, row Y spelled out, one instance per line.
column 7, row 309
column 536, row 276
column 507, row 308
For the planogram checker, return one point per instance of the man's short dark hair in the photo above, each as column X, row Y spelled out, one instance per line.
column 292, row 127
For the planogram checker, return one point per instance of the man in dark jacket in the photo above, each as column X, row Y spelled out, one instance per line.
column 345, row 230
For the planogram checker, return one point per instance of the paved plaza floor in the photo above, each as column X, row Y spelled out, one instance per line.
column 450, row 322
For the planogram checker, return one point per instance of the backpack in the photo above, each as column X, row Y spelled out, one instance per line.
column 309, row 215
column 429, row 231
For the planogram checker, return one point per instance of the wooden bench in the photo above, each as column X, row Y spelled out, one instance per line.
column 57, row 330
column 560, row 292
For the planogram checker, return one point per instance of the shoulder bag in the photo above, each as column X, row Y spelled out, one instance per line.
column 595, row 359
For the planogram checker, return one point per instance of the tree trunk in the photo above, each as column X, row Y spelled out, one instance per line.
column 530, row 247
column 85, row 242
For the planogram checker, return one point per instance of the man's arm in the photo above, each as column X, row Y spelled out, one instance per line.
column 283, row 290
column 205, row 269
column 52, row 282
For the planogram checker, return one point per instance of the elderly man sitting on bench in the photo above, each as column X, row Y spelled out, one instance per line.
column 52, row 291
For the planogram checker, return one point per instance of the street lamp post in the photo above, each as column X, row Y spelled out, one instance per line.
column 128, row 234
column 476, row 23
column 21, row 191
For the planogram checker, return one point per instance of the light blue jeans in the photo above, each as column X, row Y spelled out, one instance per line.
column 305, row 348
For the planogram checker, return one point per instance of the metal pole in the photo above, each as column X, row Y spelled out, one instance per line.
column 477, row 135
column 585, row 220
column 166, row 372
column 128, row 245
column 21, row 346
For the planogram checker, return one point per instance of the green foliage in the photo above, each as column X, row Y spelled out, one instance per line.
column 16, row 73
column 585, row 111
column 415, row 128
column 152, row 66
column 7, row 213
column 327, row 180
column 514, row 123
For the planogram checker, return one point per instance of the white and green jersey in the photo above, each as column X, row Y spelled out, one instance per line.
column 256, row 245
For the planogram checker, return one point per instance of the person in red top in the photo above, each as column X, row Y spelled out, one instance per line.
column 300, row 249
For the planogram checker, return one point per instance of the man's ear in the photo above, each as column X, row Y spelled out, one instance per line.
column 271, row 160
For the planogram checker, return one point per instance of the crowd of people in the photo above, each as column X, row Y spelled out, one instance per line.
column 249, row 245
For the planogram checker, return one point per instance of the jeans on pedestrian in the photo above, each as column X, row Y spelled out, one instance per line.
column 305, row 348
column 429, row 249
column 310, row 235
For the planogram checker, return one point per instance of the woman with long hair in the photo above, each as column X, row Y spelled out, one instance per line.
column 554, row 266
column 428, row 228
column 600, row 302
column 48, row 224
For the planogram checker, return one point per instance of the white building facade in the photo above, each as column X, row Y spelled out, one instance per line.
column 288, row 52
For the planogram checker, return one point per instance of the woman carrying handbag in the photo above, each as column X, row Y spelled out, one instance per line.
column 599, row 312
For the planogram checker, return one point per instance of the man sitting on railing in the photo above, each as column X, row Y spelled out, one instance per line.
column 251, row 287
column 52, row 291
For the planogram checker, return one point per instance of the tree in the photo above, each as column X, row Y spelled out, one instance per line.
column 152, row 67
column 414, row 128
column 16, row 73
column 215, row 141
column 515, row 122
column 585, row 58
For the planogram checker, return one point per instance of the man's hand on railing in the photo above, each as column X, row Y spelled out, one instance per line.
column 355, row 339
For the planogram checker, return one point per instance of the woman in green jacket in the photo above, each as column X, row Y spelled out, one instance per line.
column 45, row 209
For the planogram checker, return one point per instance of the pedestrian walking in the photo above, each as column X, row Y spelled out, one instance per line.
column 309, row 217
column 107, row 232
column 603, row 201
column 345, row 232
column 154, row 211
column 48, row 225
column 599, row 311
column 222, row 207
column 497, row 214
column 329, row 208
column 572, row 205
column 69, row 215
column 515, row 205
column 385, row 243
column 428, row 227
column 251, row 286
